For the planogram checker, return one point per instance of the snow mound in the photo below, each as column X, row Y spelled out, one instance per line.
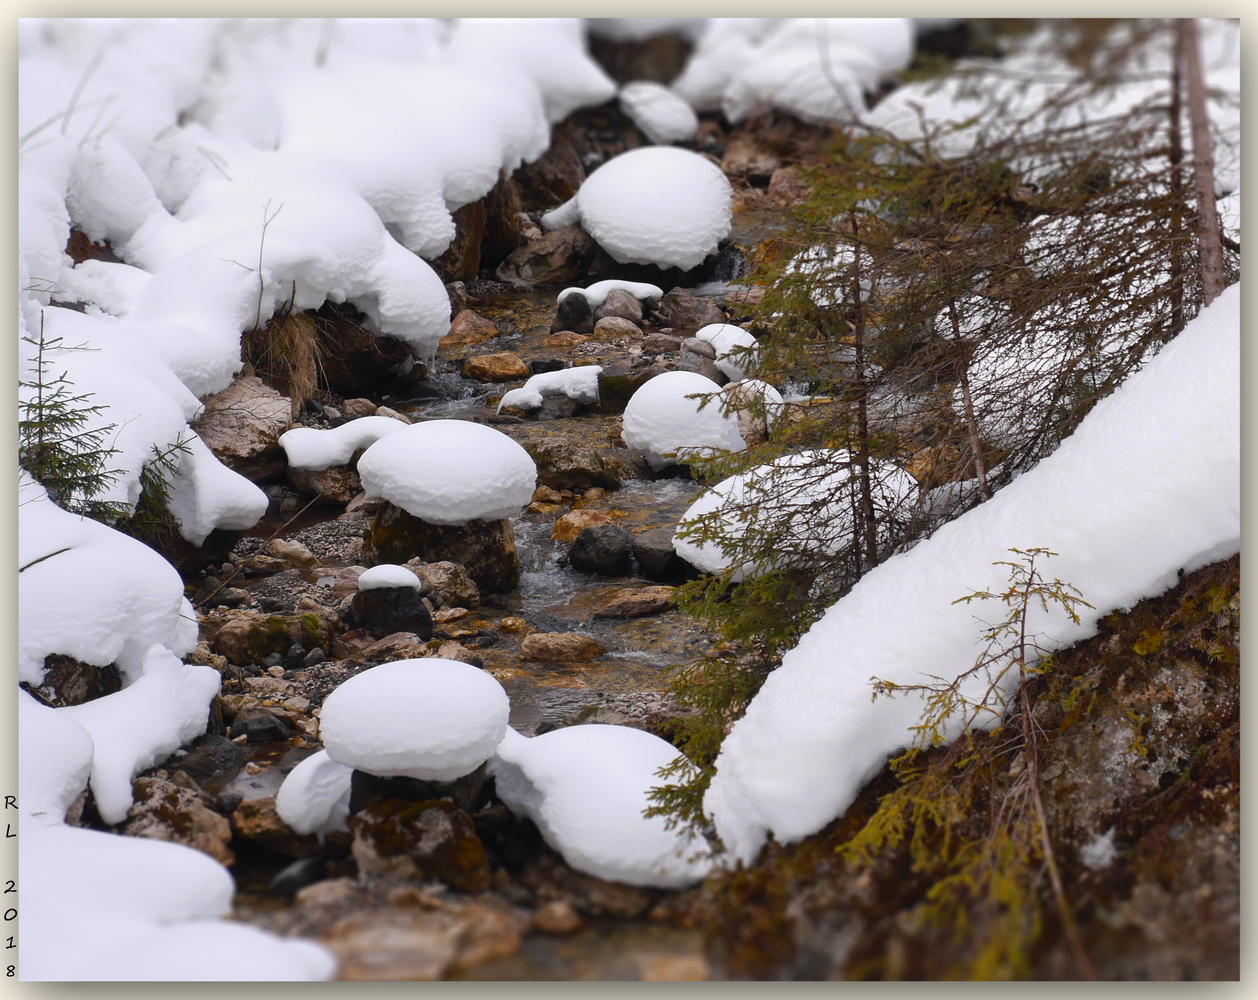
column 663, row 115
column 314, row 797
column 431, row 719
column 597, row 293
column 662, row 422
column 388, row 575
column 586, row 788
column 727, row 338
column 1124, row 521
column 317, row 448
column 579, row 383
column 656, row 205
column 450, row 472
column 804, row 499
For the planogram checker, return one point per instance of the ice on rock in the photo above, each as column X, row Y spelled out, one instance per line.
column 579, row 383
column 806, row 499
column 314, row 797
column 318, row 448
column 432, row 719
column 585, row 787
column 1123, row 521
column 665, row 424
column 388, row 575
column 126, row 598
column 726, row 338
column 450, row 472
column 663, row 115
column 655, row 205
column 596, row 294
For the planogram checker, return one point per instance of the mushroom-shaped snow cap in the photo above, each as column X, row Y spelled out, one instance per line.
column 655, row 205
column 387, row 576
column 432, row 719
column 450, row 472
column 726, row 338
column 586, row 787
column 666, row 424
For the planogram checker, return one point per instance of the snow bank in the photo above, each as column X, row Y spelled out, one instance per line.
column 431, row 719
column 586, row 788
column 665, row 424
column 805, row 499
column 316, row 448
column 1123, row 519
column 663, row 115
column 450, row 472
column 656, row 205
column 579, row 383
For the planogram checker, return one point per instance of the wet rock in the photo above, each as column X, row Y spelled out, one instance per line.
column 448, row 581
column 485, row 549
column 557, row 258
column 622, row 305
column 573, row 314
column 561, row 647
column 603, row 549
column 244, row 636
column 683, row 309
column 612, row 328
column 260, row 726
column 571, row 524
column 617, row 382
column 564, row 338
column 557, row 916
column 338, row 484
column 242, row 426
column 566, row 463
column 420, row 840
column 164, row 810
column 68, row 681
column 504, row 367
column 382, row 611
column 207, row 757
column 637, row 602
column 256, row 822
column 293, row 553
column 658, row 560
column 469, row 327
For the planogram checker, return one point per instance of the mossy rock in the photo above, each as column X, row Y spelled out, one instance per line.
column 486, row 549
column 420, row 840
column 244, row 636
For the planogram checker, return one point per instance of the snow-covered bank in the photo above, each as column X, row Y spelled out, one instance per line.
column 1148, row 485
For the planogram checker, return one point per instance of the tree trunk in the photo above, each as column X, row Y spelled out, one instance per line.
column 1210, row 247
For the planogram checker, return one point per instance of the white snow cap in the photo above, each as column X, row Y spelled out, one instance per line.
column 314, row 797
column 661, row 113
column 321, row 448
column 727, row 337
column 663, row 423
column 586, row 788
column 1124, row 521
column 432, row 719
column 579, row 383
column 597, row 293
column 805, row 498
column 450, row 472
column 388, row 575
column 656, row 205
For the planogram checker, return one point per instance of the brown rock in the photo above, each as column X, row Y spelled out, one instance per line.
column 451, row 650
column 558, row 916
column 257, row 821
column 544, row 494
column 338, row 484
column 620, row 304
column 448, row 581
column 564, row 338
column 662, row 967
column 353, row 360
column 293, row 553
column 574, row 522
column 469, row 327
column 788, row 187
column 615, row 328
column 163, row 810
column 461, row 258
column 561, row 647
column 394, row 945
column 747, row 156
column 358, row 407
column 567, row 463
column 685, row 310
column 486, row 549
column 558, row 258
column 657, row 343
column 245, row 636
column 420, row 840
column 242, row 426
column 504, row 367
column 68, row 681
column 388, row 411
column 637, row 602
column 398, row 646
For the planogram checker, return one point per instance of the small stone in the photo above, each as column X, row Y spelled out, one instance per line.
column 701, row 347
column 513, row 625
column 253, row 768
column 276, row 670
column 564, row 338
column 664, row 968
column 544, row 494
column 261, row 727
column 614, row 327
column 619, row 304
column 504, row 367
column 468, row 327
column 543, row 508
column 359, row 407
column 450, row 614
column 558, row 916
column 571, row 524
column 637, row 602
column 327, row 893
column 388, row 411
column 314, row 657
column 658, row 343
